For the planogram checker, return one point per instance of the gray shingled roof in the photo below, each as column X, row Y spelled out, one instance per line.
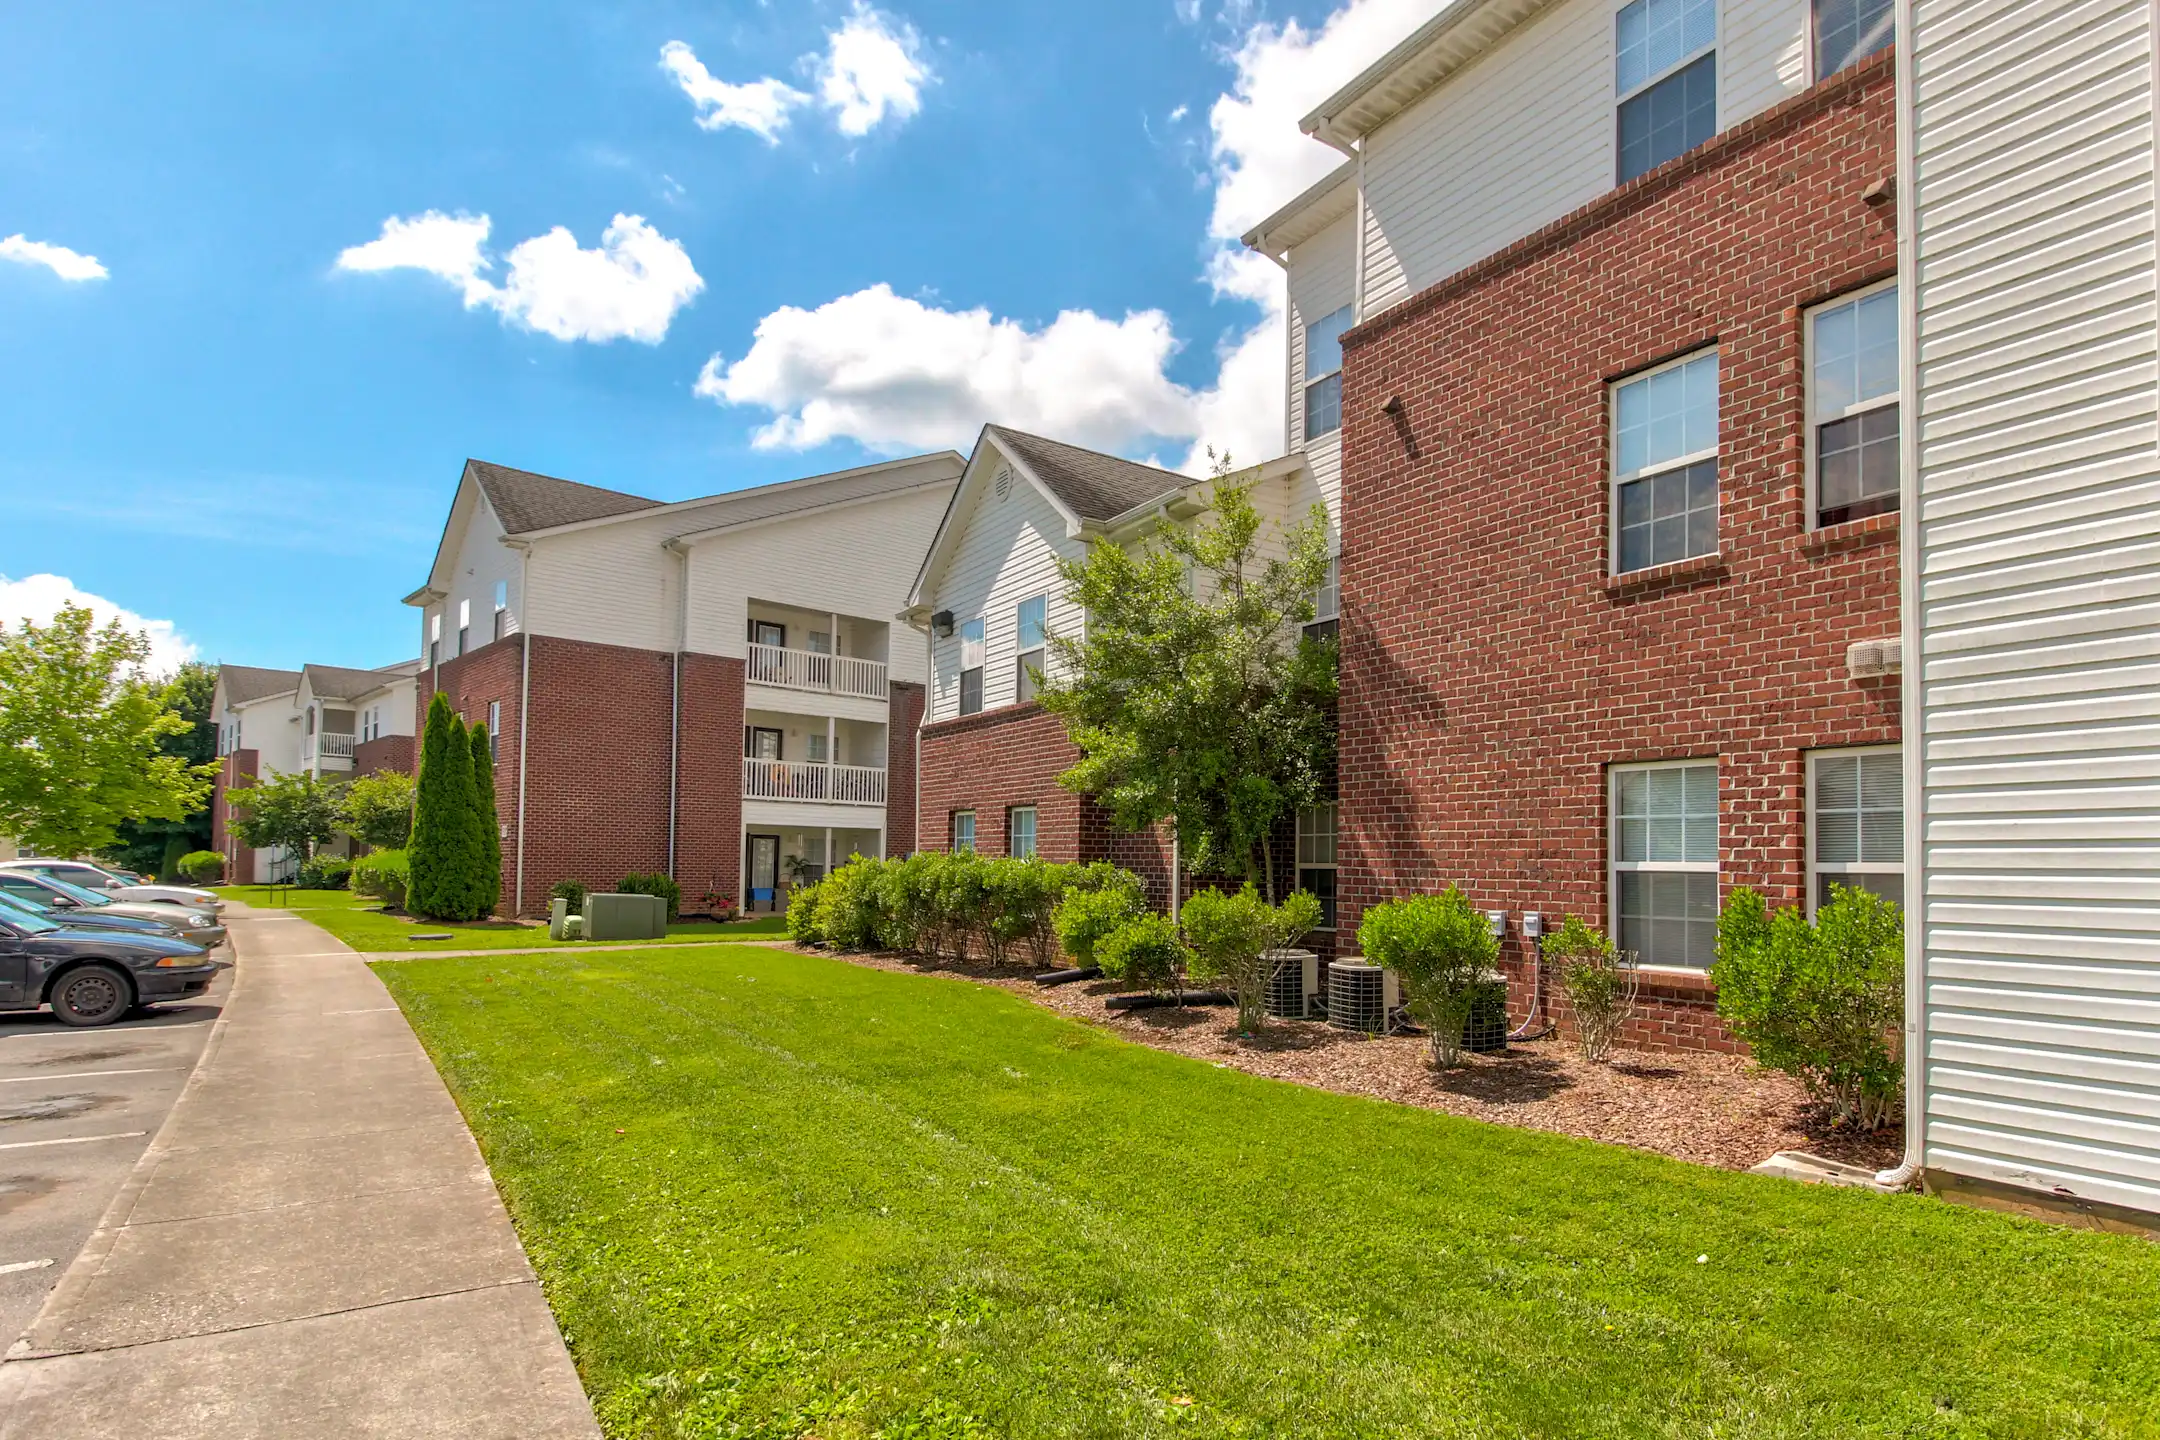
column 335, row 682
column 524, row 501
column 1096, row 486
column 249, row 682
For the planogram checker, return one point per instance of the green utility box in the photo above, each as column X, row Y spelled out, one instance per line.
column 625, row 917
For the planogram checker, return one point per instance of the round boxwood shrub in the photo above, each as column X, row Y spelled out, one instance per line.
column 383, row 875
column 1145, row 950
column 324, row 872
column 203, row 867
column 655, row 884
column 572, row 891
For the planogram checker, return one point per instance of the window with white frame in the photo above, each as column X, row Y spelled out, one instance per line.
column 1853, row 406
column 1020, row 831
column 1030, row 626
column 464, row 626
column 974, row 650
column 1323, row 372
column 434, row 640
column 494, row 730
column 1665, row 464
column 1665, row 81
column 963, row 830
column 1327, row 602
column 502, row 607
column 1856, row 823
column 1316, row 858
column 1850, row 30
column 1664, row 858
column 815, row 747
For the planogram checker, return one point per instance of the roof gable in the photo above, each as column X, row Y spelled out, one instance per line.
column 1087, row 483
column 245, row 684
column 526, row 501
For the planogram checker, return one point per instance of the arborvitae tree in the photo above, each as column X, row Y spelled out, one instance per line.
column 435, row 821
column 461, row 898
column 489, row 885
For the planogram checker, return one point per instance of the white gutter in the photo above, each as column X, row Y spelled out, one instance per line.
column 524, row 714
column 1913, row 716
column 674, row 764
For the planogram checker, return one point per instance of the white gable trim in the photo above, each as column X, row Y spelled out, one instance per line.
column 972, row 480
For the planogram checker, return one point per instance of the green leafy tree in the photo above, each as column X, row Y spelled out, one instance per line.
column 154, row 846
column 1824, row 1002
column 1193, row 694
column 488, row 884
column 444, row 858
column 1234, row 938
column 82, row 737
column 296, row 812
column 1442, row 950
column 379, row 809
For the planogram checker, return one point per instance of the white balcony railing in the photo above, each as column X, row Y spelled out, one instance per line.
column 333, row 751
column 810, row 670
column 805, row 780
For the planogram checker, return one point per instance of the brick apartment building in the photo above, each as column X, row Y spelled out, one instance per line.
column 711, row 688
column 1614, row 298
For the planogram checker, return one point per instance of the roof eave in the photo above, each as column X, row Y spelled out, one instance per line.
column 1359, row 108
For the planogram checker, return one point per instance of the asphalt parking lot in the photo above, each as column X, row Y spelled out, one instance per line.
column 77, row 1110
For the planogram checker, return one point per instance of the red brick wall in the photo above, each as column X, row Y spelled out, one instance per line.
column 1491, row 671
column 239, row 766
column 394, row 752
column 905, row 718
column 709, row 845
column 1013, row 756
column 471, row 681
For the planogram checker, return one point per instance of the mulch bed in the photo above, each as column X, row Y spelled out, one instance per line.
column 1709, row 1109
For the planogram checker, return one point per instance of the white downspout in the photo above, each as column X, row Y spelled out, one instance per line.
column 524, row 712
column 1912, row 715
column 674, row 764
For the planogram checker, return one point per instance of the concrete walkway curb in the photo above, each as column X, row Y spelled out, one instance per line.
column 310, row 1246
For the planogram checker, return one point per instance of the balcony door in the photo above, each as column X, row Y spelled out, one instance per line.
column 765, row 632
column 764, row 743
column 762, row 865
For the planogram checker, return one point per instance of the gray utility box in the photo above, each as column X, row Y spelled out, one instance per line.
column 558, row 914
column 625, row 917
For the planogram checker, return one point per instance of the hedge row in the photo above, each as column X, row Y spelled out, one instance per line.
column 955, row 906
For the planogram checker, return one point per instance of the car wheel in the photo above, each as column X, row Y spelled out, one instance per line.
column 92, row 995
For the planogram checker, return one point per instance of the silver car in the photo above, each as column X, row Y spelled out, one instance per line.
column 197, row 927
column 104, row 882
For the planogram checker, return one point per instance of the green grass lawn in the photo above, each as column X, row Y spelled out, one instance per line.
column 779, row 1195
column 360, row 923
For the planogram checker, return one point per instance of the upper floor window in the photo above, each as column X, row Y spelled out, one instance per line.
column 1849, row 30
column 1327, row 602
column 973, row 650
column 1665, row 464
column 1323, row 373
column 494, row 731
column 1665, row 862
column 434, row 639
column 1666, row 81
column 1030, row 624
column 464, row 626
column 1853, row 406
column 502, row 608
column 1856, row 823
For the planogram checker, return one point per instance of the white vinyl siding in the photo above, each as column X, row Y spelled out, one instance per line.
column 1007, row 552
column 483, row 565
column 1322, row 279
column 2033, row 541
column 1527, row 133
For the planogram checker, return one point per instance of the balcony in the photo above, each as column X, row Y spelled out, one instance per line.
column 817, row 672
column 807, row 780
column 328, row 752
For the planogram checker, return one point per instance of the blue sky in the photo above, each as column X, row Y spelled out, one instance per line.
column 866, row 248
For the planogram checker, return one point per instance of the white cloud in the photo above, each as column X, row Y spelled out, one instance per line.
column 39, row 598
column 872, row 68
column 762, row 106
column 892, row 372
column 1261, row 158
column 63, row 262
column 628, row 288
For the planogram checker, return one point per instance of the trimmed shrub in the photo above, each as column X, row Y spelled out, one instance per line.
column 802, row 911
column 1085, row 918
column 654, row 884
column 324, row 872
column 1022, row 897
column 1440, row 947
column 572, row 891
column 848, row 913
column 1145, row 950
column 383, row 875
column 1824, row 1002
column 202, row 867
column 1233, row 937
column 1599, row 982
column 907, row 898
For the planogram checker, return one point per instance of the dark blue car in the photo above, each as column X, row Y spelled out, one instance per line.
column 93, row 977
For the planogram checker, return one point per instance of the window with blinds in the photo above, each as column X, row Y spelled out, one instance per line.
column 1856, row 823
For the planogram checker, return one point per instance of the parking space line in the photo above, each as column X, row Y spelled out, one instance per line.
column 76, row 1140
column 87, row 1074
column 21, row 1265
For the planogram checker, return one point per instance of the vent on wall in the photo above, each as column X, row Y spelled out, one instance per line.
column 1869, row 659
column 1004, row 482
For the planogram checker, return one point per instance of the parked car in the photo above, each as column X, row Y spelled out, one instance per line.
column 88, row 919
column 96, row 877
column 70, row 902
column 93, row 977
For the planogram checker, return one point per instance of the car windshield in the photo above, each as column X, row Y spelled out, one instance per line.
column 76, row 892
column 22, row 918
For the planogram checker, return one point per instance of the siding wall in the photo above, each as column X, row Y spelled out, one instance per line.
column 1323, row 279
column 609, row 585
column 482, row 561
column 1527, row 134
column 2038, row 617
column 1008, row 552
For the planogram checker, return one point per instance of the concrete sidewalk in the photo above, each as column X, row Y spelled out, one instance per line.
column 310, row 1247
